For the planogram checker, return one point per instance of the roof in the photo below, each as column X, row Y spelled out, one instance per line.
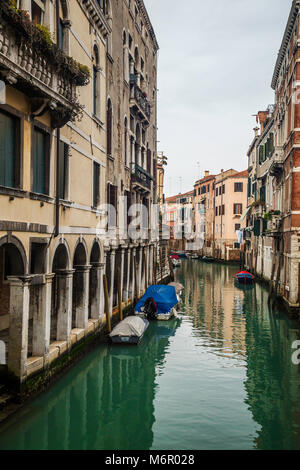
column 205, row 179
column 142, row 7
column 241, row 174
column 285, row 41
column 174, row 198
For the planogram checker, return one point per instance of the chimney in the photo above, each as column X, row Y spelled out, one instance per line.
column 256, row 129
column 206, row 174
column 262, row 117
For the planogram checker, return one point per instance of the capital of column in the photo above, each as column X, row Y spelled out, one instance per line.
column 83, row 269
column 20, row 280
column 65, row 272
column 98, row 265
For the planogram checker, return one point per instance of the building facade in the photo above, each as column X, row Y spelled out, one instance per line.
column 230, row 203
column 76, row 132
column 274, row 205
column 178, row 215
column 203, row 205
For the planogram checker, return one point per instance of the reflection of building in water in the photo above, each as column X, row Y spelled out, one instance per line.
column 273, row 381
column 215, row 303
column 91, row 407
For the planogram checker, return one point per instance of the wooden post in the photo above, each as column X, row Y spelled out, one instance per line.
column 119, row 293
column 135, row 280
column 146, row 271
column 154, row 264
column 161, row 266
column 106, row 303
column 171, row 268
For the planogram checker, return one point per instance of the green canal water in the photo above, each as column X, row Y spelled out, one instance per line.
column 219, row 377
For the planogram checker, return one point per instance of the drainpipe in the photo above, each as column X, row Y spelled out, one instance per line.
column 57, row 143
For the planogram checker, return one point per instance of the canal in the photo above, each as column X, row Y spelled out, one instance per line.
column 218, row 377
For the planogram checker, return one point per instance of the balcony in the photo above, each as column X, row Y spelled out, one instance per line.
column 274, row 225
column 277, row 160
column 138, row 102
column 33, row 64
column 141, row 179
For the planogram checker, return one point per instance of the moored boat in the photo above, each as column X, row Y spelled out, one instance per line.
column 129, row 331
column 158, row 303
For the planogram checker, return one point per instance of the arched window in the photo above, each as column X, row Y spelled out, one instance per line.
column 109, row 127
column 96, row 82
column 125, row 58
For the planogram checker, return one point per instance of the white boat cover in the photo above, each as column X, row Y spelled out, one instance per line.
column 131, row 326
column 178, row 287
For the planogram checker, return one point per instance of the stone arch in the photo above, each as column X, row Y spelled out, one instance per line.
column 62, row 243
column 21, row 258
column 80, row 253
column 96, row 252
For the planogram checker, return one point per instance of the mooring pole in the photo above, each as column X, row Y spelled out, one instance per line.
column 119, row 293
column 108, row 322
column 135, row 280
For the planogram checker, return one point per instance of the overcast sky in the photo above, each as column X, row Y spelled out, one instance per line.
column 216, row 62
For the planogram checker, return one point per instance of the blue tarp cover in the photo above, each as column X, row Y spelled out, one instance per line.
column 164, row 296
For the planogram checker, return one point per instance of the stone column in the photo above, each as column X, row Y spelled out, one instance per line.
column 127, row 286
column 112, row 280
column 139, row 276
column 64, row 304
column 42, row 317
column 122, row 272
column 96, row 286
column 18, row 325
column 82, row 296
column 132, row 286
column 102, row 287
column 150, row 279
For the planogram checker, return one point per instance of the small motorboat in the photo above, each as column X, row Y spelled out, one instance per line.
column 244, row 277
column 208, row 259
column 176, row 262
column 129, row 331
column 158, row 303
column 194, row 256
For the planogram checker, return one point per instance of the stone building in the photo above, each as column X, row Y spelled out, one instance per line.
column 204, row 190
column 230, row 203
column 179, row 218
column 273, row 223
column 76, row 130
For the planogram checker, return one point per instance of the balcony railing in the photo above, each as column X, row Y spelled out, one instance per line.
column 277, row 160
column 139, row 101
column 141, row 177
column 49, row 79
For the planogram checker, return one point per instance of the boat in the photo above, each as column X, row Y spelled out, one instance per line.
column 129, row 331
column 194, row 256
column 182, row 255
column 244, row 277
column 158, row 303
column 208, row 259
column 176, row 262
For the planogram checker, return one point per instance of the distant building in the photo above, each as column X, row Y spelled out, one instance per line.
column 230, row 203
column 179, row 218
column 203, row 205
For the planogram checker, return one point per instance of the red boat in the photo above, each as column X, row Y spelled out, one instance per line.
column 244, row 277
column 175, row 257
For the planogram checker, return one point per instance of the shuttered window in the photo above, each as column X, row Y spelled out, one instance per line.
column 112, row 194
column 9, row 150
column 109, row 128
column 40, row 162
column 149, row 161
column 63, row 170
column 96, row 184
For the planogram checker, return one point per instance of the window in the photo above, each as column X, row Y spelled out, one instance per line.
column 40, row 161
column 238, row 187
column 109, row 128
column 217, row 192
column 63, row 170
column 223, row 210
column 10, row 151
column 96, row 184
column 125, row 142
column 37, row 11
column 237, row 209
column 237, row 246
column 237, row 227
column 223, row 189
column 96, row 83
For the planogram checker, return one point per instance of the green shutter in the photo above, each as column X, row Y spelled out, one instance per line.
column 63, row 158
column 39, row 162
column 257, row 228
column 7, row 150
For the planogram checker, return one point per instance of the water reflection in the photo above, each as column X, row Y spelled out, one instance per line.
column 220, row 377
column 106, row 402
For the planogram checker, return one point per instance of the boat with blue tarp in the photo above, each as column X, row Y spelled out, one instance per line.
column 158, row 303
